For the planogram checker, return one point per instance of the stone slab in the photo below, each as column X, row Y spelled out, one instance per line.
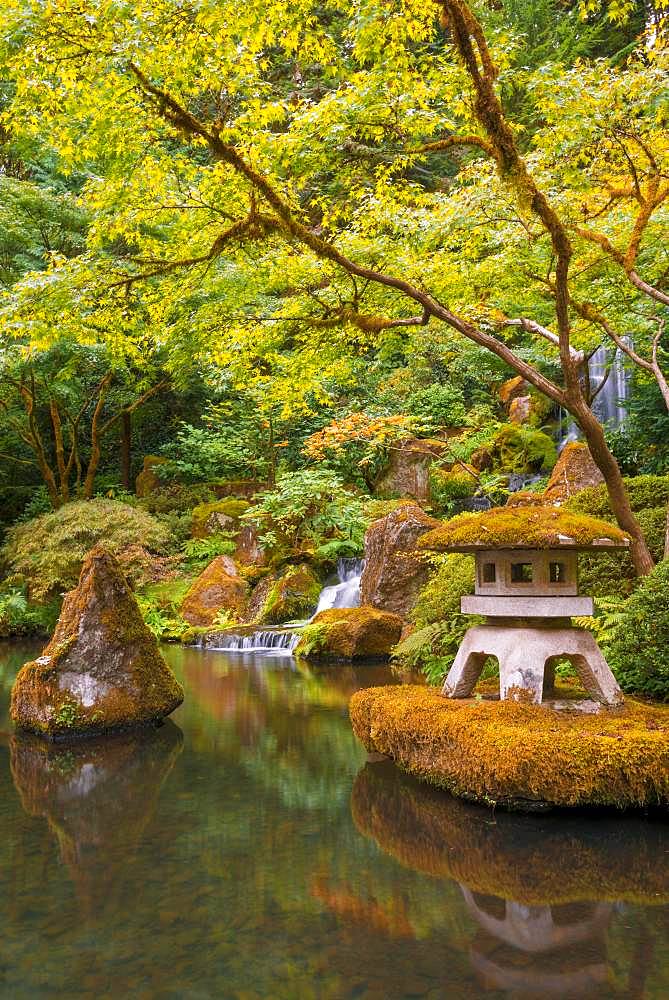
column 526, row 607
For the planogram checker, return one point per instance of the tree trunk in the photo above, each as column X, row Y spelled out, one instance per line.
column 620, row 504
column 126, row 449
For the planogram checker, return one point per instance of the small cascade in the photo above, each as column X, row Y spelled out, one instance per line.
column 345, row 593
column 265, row 641
column 282, row 640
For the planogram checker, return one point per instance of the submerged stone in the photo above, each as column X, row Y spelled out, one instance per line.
column 102, row 669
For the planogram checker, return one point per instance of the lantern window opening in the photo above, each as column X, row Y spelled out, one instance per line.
column 521, row 572
column 557, row 572
column 489, row 573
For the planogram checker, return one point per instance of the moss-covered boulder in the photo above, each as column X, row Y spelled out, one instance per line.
column 148, row 481
column 395, row 571
column 217, row 516
column 518, row 755
column 285, row 597
column 102, row 670
column 350, row 634
column 575, row 470
column 218, row 588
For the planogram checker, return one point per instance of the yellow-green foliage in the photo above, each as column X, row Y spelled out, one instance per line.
column 516, row 754
column 419, row 825
column 532, row 527
column 644, row 492
column 47, row 552
column 449, row 485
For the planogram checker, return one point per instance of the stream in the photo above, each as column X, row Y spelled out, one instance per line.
column 248, row 849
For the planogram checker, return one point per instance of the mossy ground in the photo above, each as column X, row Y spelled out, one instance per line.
column 520, row 755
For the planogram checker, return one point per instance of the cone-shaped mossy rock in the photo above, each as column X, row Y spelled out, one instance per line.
column 102, row 669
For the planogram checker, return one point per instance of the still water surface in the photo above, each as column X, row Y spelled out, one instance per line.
column 248, row 850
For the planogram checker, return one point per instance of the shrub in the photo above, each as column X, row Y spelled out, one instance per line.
column 177, row 498
column 639, row 650
column 431, row 648
column 644, row 492
column 438, row 406
column 523, row 449
column 308, row 509
column 47, row 552
column 447, row 486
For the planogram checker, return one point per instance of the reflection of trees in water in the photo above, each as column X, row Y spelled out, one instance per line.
column 543, row 891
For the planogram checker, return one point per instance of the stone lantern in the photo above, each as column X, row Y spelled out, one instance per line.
column 526, row 586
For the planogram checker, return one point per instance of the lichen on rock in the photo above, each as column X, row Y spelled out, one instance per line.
column 395, row 572
column 102, row 669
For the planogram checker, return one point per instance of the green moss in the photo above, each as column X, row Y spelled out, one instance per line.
column 350, row 633
column 292, row 596
column 523, row 449
column 231, row 507
column 519, row 527
column 516, row 754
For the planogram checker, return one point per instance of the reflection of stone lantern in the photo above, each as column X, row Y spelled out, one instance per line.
column 526, row 587
column 545, row 950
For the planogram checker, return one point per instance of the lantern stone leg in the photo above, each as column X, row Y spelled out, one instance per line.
column 526, row 657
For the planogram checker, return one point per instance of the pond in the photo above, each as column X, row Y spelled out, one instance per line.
column 248, row 849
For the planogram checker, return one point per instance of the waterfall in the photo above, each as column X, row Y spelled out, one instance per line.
column 282, row 640
column 345, row 593
column 609, row 403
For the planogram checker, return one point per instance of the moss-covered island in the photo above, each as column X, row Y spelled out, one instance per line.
column 519, row 756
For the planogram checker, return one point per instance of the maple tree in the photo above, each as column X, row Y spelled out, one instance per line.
column 291, row 185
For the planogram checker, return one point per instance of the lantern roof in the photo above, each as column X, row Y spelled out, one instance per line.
column 532, row 527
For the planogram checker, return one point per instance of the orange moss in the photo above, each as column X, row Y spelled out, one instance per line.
column 519, row 755
column 218, row 588
column 100, row 634
column 523, row 527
